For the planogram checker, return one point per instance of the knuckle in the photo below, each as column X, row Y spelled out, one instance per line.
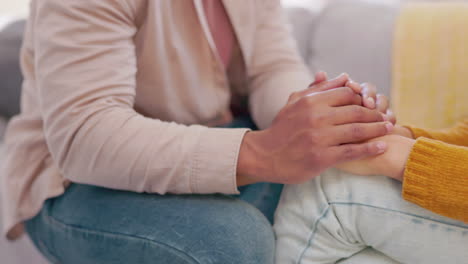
column 366, row 149
column 356, row 131
column 377, row 130
column 321, row 117
column 383, row 129
column 358, row 112
column 349, row 152
column 307, row 102
column 377, row 117
column 314, row 157
column 347, row 91
column 317, row 158
column 310, row 101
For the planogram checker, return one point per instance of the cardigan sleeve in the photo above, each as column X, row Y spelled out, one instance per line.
column 86, row 76
column 275, row 70
column 436, row 174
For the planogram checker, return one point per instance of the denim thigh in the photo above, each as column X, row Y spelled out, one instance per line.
column 337, row 215
column 96, row 225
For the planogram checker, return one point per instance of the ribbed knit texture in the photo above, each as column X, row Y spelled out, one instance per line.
column 436, row 174
column 430, row 63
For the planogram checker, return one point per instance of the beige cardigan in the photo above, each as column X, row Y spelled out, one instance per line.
column 113, row 90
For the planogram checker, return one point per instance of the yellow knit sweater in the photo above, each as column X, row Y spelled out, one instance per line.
column 430, row 61
column 436, row 174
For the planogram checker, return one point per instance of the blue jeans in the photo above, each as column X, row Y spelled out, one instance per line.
column 354, row 219
column 89, row 224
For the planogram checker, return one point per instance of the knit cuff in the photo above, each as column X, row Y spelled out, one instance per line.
column 418, row 132
column 420, row 169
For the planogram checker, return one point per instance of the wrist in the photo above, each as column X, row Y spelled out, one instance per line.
column 403, row 131
column 249, row 162
column 401, row 149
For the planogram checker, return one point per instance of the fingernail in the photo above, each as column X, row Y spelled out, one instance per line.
column 371, row 102
column 389, row 127
column 381, row 147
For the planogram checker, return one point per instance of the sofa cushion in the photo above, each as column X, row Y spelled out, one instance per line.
column 356, row 37
column 2, row 128
column 10, row 73
column 302, row 21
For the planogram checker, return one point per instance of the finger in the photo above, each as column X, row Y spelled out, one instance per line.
column 320, row 76
column 355, row 114
column 355, row 86
column 339, row 81
column 339, row 97
column 358, row 132
column 332, row 98
column 391, row 116
column 350, row 152
column 382, row 103
column 369, row 93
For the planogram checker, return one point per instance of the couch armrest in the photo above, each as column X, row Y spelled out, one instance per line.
column 10, row 73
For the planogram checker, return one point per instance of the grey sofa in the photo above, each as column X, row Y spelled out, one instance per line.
column 338, row 39
column 10, row 43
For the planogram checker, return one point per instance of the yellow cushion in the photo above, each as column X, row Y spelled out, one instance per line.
column 430, row 64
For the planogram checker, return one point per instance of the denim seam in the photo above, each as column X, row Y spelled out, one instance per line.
column 40, row 244
column 309, row 242
column 46, row 252
column 312, row 235
column 400, row 212
column 127, row 236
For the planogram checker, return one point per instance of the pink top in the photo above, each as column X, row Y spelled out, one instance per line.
column 221, row 29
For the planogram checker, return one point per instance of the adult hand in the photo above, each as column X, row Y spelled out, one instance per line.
column 370, row 98
column 369, row 95
column 317, row 129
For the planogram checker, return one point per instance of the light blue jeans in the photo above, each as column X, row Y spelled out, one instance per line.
column 339, row 217
column 96, row 225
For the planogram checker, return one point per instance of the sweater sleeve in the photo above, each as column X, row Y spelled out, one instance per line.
column 435, row 176
column 458, row 135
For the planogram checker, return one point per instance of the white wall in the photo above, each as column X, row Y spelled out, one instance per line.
column 14, row 8
column 312, row 4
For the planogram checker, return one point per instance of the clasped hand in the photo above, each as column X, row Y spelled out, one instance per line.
column 330, row 123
